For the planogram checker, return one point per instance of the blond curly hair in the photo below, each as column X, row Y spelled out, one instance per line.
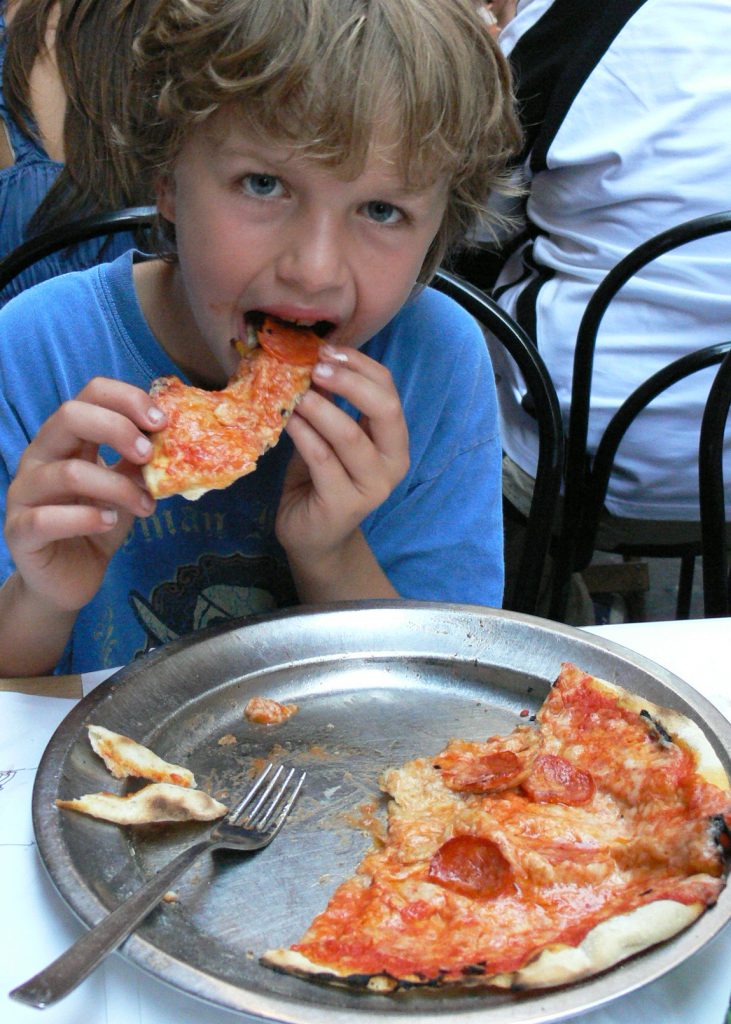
column 330, row 77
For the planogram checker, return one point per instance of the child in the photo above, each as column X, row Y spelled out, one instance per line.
column 313, row 160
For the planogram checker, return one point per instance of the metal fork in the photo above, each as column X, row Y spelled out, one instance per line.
column 252, row 832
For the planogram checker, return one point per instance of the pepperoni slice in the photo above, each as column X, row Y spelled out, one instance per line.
column 472, row 866
column 554, row 780
column 288, row 343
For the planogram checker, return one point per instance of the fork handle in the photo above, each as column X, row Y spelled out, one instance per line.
column 72, row 967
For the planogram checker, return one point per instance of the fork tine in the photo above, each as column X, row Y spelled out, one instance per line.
column 269, row 811
column 262, row 797
column 233, row 815
column 282, row 816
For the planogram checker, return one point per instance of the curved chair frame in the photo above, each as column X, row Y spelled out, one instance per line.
column 99, row 224
column 716, row 597
column 598, row 478
column 524, row 595
column 578, row 527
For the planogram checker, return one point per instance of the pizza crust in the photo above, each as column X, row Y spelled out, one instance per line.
column 155, row 478
column 158, row 802
column 606, row 944
column 290, row 961
column 125, row 757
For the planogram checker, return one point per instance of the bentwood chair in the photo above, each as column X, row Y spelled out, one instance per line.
column 98, row 225
column 716, row 580
column 586, row 479
column 522, row 592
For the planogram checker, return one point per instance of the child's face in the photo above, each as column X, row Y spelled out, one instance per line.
column 262, row 227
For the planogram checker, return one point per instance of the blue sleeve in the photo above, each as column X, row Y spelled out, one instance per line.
column 27, row 395
column 53, row 339
column 12, row 445
column 439, row 536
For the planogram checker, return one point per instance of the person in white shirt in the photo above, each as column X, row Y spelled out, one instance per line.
column 625, row 112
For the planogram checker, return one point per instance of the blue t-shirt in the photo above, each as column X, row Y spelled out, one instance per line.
column 438, row 536
column 23, row 186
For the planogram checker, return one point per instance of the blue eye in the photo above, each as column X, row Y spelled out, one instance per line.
column 382, row 212
column 261, row 184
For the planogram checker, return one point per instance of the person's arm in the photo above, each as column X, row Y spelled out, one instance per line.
column 67, row 513
column 351, row 573
column 33, row 634
column 438, row 537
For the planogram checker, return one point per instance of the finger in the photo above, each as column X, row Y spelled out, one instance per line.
column 77, row 423
column 356, row 360
column 325, row 469
column 33, row 529
column 370, row 466
column 353, row 489
column 130, row 401
column 368, row 387
column 104, row 412
column 69, row 480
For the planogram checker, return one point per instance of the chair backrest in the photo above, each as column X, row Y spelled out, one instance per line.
column 600, row 470
column 716, row 600
column 584, row 490
column 522, row 595
column 97, row 226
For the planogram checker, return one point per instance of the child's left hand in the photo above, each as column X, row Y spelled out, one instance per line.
column 342, row 468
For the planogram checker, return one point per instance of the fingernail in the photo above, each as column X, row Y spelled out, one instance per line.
column 155, row 415
column 143, row 446
column 334, row 353
column 109, row 516
column 323, row 370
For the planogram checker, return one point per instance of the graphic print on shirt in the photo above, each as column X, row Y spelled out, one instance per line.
column 213, row 590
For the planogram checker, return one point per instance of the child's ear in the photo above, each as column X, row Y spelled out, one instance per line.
column 165, row 194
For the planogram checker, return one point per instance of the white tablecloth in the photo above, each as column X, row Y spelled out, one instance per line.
column 37, row 925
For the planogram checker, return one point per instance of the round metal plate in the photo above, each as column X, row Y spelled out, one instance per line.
column 377, row 683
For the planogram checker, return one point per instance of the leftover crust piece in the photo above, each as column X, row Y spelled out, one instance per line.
column 125, row 757
column 535, row 859
column 158, row 802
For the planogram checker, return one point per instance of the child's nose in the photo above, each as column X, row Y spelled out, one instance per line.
column 312, row 255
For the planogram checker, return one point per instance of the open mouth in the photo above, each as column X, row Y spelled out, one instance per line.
column 254, row 319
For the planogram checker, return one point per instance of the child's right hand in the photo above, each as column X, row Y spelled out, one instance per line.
column 67, row 511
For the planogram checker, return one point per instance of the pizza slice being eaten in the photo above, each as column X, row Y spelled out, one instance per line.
column 535, row 859
column 213, row 438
